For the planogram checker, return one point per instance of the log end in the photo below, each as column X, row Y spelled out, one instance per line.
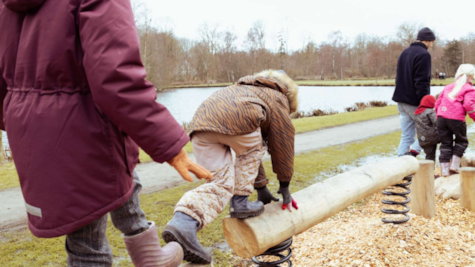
column 240, row 237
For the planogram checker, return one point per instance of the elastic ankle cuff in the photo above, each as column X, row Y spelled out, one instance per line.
column 242, row 193
column 191, row 214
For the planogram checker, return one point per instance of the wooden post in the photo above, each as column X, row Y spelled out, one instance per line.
column 423, row 190
column 467, row 184
column 253, row 236
column 468, row 160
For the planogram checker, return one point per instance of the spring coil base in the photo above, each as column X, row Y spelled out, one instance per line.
column 277, row 251
column 405, row 184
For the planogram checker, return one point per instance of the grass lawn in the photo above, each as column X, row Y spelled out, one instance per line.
column 9, row 177
column 22, row 249
column 320, row 122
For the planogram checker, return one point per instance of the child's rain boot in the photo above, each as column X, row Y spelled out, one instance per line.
column 241, row 208
column 145, row 250
column 454, row 167
column 445, row 168
column 182, row 228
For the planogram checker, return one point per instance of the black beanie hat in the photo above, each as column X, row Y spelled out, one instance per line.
column 426, row 34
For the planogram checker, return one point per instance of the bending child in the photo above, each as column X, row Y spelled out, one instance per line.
column 455, row 101
column 250, row 118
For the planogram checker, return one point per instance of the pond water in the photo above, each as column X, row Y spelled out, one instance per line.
column 183, row 103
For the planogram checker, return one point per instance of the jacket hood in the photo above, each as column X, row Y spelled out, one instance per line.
column 277, row 80
column 427, row 101
column 22, row 5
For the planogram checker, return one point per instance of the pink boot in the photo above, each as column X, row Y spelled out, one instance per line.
column 454, row 167
column 145, row 250
column 445, row 168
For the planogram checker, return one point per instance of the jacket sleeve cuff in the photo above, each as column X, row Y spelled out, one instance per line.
column 173, row 150
column 261, row 183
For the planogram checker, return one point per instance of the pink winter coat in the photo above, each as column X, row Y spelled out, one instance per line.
column 456, row 109
column 75, row 103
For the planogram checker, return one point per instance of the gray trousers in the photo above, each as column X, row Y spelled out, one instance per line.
column 88, row 246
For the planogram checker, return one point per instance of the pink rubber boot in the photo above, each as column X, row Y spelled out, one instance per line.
column 145, row 250
column 454, row 167
column 445, row 168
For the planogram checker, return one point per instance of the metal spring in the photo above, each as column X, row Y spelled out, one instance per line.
column 277, row 251
column 406, row 182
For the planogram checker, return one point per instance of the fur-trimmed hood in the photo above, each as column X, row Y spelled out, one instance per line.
column 291, row 86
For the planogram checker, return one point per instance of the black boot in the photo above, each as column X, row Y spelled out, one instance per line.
column 241, row 208
column 182, row 229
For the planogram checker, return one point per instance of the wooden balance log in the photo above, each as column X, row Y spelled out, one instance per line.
column 253, row 236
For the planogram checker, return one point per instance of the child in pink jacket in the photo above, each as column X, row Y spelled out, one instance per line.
column 454, row 103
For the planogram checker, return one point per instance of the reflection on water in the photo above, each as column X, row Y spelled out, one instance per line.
column 183, row 103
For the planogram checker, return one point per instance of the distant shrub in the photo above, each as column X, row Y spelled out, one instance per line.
column 351, row 109
column 378, row 103
column 361, row 105
column 297, row 115
column 312, row 113
column 318, row 112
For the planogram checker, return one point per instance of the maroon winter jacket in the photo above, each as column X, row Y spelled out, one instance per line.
column 74, row 100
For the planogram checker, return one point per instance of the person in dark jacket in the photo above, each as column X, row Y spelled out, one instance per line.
column 426, row 125
column 412, row 84
column 75, row 103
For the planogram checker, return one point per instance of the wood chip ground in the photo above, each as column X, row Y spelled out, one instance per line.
column 357, row 237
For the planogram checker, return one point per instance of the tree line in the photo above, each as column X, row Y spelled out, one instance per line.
column 215, row 57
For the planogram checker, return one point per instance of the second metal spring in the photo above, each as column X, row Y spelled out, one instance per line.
column 390, row 192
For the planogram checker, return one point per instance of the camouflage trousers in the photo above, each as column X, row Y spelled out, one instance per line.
column 213, row 151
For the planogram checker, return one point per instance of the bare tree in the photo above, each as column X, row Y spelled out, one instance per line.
column 282, row 48
column 407, row 32
column 210, row 36
column 140, row 11
column 256, row 36
column 227, row 54
column 337, row 49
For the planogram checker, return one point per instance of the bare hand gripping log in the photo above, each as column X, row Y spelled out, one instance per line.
column 253, row 236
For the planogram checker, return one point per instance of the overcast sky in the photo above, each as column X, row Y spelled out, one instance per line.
column 313, row 19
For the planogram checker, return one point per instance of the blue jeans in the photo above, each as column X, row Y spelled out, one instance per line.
column 408, row 128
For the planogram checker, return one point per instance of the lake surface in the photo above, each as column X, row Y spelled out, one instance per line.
column 183, row 103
